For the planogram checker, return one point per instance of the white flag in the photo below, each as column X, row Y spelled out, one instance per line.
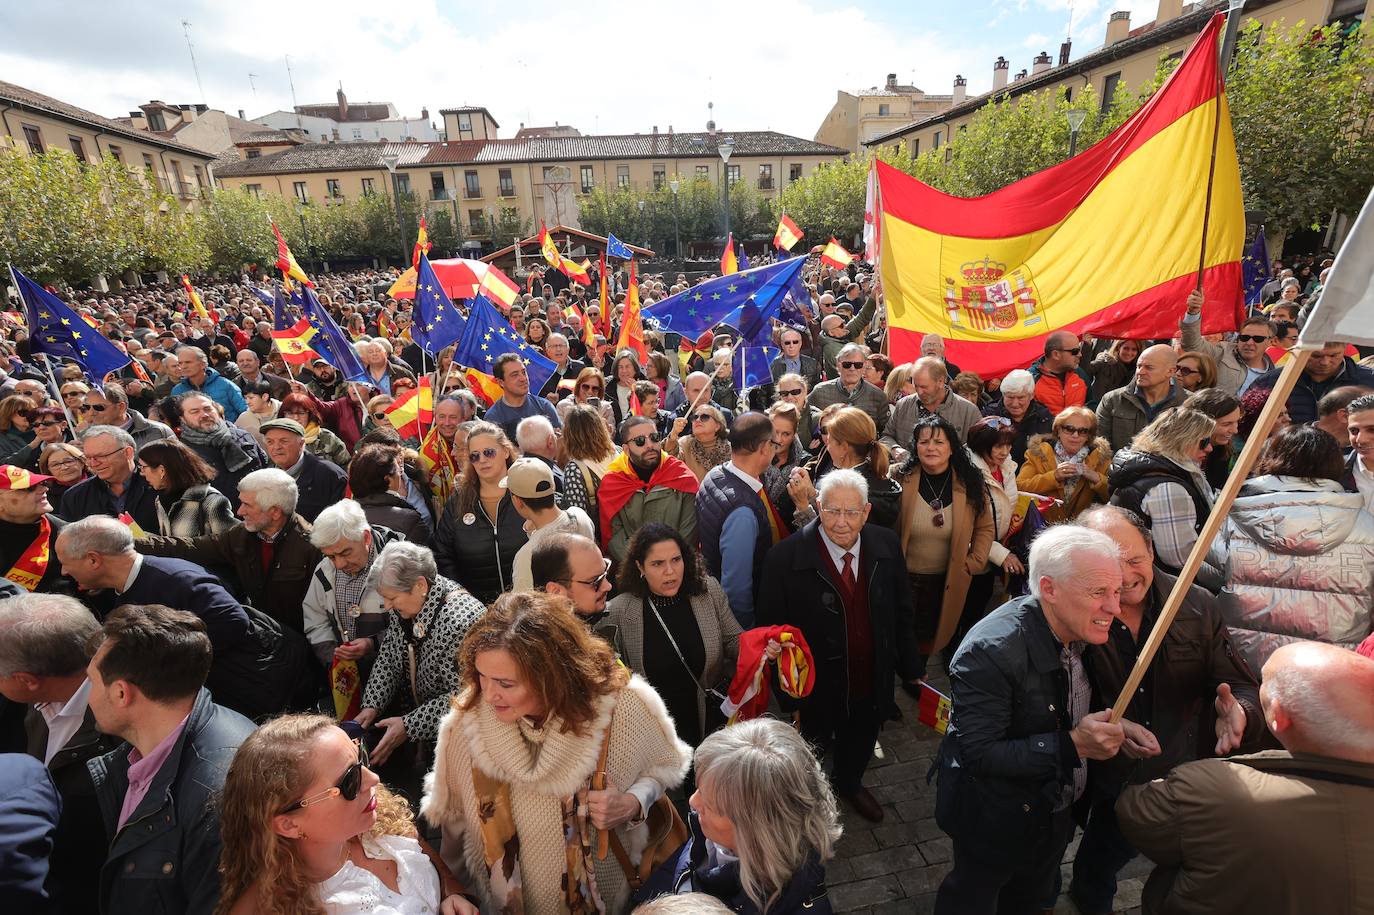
column 1345, row 310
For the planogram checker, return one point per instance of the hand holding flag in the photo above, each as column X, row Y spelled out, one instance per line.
column 835, row 255
column 56, row 330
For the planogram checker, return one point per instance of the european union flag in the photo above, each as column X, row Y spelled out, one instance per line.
column 58, row 331
column 746, row 301
column 617, row 248
column 329, row 341
column 752, row 365
column 488, row 336
column 795, row 305
column 1254, row 268
column 743, row 259
column 264, row 296
column 437, row 322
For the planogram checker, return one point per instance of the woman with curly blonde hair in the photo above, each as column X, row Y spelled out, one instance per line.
column 308, row 829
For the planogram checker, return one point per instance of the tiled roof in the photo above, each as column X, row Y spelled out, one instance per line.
column 320, row 157
column 1140, row 39
column 46, row 104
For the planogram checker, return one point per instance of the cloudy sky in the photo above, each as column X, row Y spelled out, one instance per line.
column 602, row 66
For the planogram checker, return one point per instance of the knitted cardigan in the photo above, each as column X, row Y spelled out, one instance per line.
column 201, row 510
column 542, row 766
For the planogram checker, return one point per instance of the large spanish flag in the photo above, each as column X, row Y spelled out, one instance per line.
column 1105, row 243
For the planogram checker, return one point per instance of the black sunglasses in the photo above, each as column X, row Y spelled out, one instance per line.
column 851, row 365
column 1251, row 338
column 639, row 440
column 593, row 583
column 796, row 392
column 475, row 456
column 49, row 422
column 1075, row 351
column 380, row 415
column 346, row 787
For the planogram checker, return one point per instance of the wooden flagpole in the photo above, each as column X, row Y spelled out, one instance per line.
column 1278, row 398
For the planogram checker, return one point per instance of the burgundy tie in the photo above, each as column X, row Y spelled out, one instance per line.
column 847, row 572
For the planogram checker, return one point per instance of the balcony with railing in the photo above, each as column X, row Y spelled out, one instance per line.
column 506, row 189
column 479, row 228
column 440, row 194
column 765, row 184
column 472, row 192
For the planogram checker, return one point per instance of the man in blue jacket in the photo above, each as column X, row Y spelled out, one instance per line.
column 156, row 791
column 1327, row 369
column 1013, row 762
column 198, row 376
column 29, row 808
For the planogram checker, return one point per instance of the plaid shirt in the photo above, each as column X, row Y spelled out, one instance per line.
column 348, row 594
column 1080, row 703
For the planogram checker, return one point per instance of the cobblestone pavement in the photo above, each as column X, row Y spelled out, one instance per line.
column 896, row 866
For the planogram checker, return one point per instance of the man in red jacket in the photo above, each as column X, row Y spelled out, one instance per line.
column 1058, row 381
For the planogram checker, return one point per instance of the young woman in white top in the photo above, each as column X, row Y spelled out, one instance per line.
column 308, row 829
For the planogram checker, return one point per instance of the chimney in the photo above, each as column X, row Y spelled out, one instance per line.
column 343, row 103
column 960, row 90
column 1020, row 75
column 711, row 119
column 241, row 117
column 1064, row 51
column 999, row 73
column 1119, row 26
column 1168, row 9
column 1041, row 62
column 424, row 113
column 891, row 82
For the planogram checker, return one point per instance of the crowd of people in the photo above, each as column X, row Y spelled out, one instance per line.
column 258, row 655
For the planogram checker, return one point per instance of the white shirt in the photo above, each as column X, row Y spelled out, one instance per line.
column 837, row 552
column 65, row 721
column 1364, row 482
column 754, row 483
column 133, row 572
column 353, row 890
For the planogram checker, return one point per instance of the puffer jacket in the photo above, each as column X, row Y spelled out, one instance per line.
column 477, row 552
column 1300, row 566
column 1002, row 498
column 1037, row 476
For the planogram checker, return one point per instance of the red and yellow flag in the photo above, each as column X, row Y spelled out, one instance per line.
column 577, row 272
column 631, row 323
column 1104, row 243
column 487, row 389
column 605, row 301
column 498, row 287
column 196, row 303
column 787, row 235
column 728, row 262
column 422, row 245
column 549, row 248
column 286, row 261
column 383, row 326
column 835, row 255
column 413, row 409
column 440, row 466
column 294, row 342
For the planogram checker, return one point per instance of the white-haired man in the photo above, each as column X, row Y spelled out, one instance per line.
column 843, row 583
column 536, row 438
column 343, row 613
column 1282, row 831
column 850, row 388
column 556, row 348
column 114, row 487
column 1013, row 761
column 269, row 552
column 1028, row 416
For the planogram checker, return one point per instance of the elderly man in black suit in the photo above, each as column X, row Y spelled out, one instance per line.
column 319, row 483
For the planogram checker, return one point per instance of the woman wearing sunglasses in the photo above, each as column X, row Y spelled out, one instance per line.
column 17, row 414
column 49, row 427
column 706, row 446
column 521, row 787
column 308, row 828
column 589, row 388
column 1069, row 465
column 476, row 540
column 946, row 530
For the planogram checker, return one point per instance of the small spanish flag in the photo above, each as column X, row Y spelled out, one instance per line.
column 835, row 255
column 728, row 262
column 632, row 323
column 578, row 271
column 286, row 261
column 549, row 248
column 932, row 708
column 412, row 409
column 422, row 244
column 787, row 235
column 196, row 303
column 483, row 385
column 498, row 287
column 294, row 342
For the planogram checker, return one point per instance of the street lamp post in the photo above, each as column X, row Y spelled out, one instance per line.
column 726, row 147
column 1228, row 41
column 309, row 258
column 1075, row 117
column 642, row 232
column 677, row 238
column 390, row 160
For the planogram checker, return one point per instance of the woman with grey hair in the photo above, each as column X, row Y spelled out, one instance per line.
column 1160, row 477
column 415, row 673
column 764, row 822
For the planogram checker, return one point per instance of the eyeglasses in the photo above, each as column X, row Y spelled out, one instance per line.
column 702, row 418
column 1205, row 444
column 1076, row 430
column 1251, row 338
column 594, row 583
column 997, row 422
column 1186, row 371
column 589, row 387
column 848, row 514
column 475, row 456
column 938, row 518
column 795, row 392
column 379, row 415
column 791, row 343
column 640, row 440
column 346, row 787
column 49, row 422
column 26, row 414
column 92, row 458
column 58, row 465
column 97, row 407
column 851, row 365
column 297, row 412
column 1075, row 351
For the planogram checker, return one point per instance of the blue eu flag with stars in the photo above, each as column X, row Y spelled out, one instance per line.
column 617, row 248
column 488, row 336
column 56, row 330
column 437, row 322
column 746, row 301
column 1254, row 268
column 329, row 340
column 752, row 365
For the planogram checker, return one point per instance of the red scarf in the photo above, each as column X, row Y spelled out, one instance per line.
column 621, row 482
column 32, row 565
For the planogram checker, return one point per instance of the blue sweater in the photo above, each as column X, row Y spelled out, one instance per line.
column 732, row 524
column 219, row 389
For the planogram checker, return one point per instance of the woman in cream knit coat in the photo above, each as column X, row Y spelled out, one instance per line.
column 511, row 786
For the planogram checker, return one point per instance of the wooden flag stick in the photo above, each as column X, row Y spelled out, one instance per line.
column 1278, row 398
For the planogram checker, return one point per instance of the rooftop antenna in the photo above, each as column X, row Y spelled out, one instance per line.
column 290, row 79
column 1069, row 34
column 186, row 30
column 254, row 86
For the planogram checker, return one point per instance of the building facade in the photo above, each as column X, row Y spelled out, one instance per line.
column 34, row 123
column 1128, row 57
column 862, row 114
column 343, row 121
